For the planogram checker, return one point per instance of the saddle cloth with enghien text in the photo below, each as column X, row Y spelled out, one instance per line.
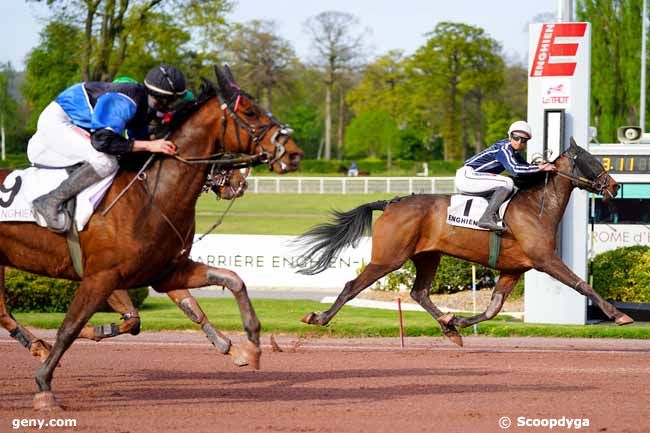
column 21, row 187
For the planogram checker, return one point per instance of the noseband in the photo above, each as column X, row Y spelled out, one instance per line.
column 255, row 132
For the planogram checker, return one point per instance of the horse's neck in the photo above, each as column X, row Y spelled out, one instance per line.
column 554, row 196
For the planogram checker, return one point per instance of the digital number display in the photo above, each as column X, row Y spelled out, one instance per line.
column 625, row 163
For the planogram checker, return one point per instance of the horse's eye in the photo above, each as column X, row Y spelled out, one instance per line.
column 249, row 113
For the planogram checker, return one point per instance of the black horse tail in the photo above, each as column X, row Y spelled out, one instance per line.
column 326, row 241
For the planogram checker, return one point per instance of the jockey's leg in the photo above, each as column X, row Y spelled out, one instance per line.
column 48, row 205
column 190, row 274
column 426, row 266
column 501, row 292
column 490, row 218
column 36, row 346
column 471, row 182
column 554, row 266
column 59, row 143
column 120, row 302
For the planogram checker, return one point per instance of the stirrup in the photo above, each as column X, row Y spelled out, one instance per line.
column 62, row 224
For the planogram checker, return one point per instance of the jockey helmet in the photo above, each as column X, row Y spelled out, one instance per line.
column 165, row 81
column 521, row 126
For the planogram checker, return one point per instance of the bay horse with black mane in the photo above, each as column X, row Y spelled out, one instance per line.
column 415, row 227
column 146, row 237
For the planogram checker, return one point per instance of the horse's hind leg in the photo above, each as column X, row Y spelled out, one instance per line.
column 120, row 302
column 91, row 294
column 190, row 274
column 501, row 291
column 352, row 288
column 426, row 265
column 36, row 346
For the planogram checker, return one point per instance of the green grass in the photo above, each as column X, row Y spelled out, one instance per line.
column 275, row 214
column 281, row 316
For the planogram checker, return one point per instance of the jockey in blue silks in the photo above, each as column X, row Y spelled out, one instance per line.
column 480, row 174
column 92, row 123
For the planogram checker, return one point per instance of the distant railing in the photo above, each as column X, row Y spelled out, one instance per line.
column 351, row 185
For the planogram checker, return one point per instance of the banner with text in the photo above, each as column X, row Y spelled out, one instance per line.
column 272, row 261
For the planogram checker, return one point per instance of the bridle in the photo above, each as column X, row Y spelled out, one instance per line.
column 256, row 133
column 598, row 185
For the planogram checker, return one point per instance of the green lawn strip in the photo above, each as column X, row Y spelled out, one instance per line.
column 276, row 214
column 282, row 316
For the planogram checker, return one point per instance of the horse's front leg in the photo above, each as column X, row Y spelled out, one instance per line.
column 501, row 291
column 190, row 274
column 556, row 268
column 191, row 308
column 120, row 302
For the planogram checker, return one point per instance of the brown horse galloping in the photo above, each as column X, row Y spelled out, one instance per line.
column 415, row 228
column 146, row 237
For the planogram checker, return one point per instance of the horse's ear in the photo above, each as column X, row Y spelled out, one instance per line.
column 573, row 142
column 231, row 79
column 222, row 80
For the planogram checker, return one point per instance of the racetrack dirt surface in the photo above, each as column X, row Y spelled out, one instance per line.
column 177, row 382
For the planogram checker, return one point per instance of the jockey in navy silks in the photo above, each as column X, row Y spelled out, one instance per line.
column 86, row 124
column 480, row 174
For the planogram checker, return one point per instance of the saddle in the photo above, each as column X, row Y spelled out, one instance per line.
column 466, row 209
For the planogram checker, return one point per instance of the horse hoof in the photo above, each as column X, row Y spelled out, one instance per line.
column 45, row 401
column 446, row 319
column 455, row 337
column 308, row 319
column 623, row 319
column 40, row 349
column 246, row 354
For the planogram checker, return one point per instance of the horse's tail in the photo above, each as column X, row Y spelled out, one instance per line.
column 326, row 241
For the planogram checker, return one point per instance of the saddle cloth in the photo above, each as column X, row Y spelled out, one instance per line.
column 21, row 187
column 466, row 210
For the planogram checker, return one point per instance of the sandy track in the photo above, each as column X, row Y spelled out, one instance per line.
column 159, row 382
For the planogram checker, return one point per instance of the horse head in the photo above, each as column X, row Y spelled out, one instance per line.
column 227, row 184
column 255, row 130
column 588, row 173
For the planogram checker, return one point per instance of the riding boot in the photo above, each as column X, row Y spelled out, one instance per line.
column 490, row 219
column 48, row 205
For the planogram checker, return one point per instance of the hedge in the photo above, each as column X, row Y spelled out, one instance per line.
column 25, row 292
column 623, row 274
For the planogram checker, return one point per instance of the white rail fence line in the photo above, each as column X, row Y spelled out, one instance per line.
column 351, row 185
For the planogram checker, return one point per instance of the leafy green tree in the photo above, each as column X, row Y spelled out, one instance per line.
column 370, row 134
column 11, row 122
column 615, row 63
column 51, row 67
column 111, row 28
column 459, row 67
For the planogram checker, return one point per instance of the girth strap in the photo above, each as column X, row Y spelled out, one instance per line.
column 495, row 249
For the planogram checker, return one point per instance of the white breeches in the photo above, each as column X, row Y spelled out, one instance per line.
column 471, row 182
column 59, row 143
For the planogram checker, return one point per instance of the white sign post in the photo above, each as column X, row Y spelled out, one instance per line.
column 558, row 108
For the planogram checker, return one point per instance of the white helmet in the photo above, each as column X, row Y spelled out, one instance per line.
column 521, row 126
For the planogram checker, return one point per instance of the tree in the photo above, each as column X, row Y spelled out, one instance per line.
column 110, row 28
column 51, row 67
column 370, row 134
column 459, row 65
column 382, row 88
column 11, row 126
column 260, row 57
column 338, row 44
column 615, row 63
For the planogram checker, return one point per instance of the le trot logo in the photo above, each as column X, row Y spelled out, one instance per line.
column 553, row 57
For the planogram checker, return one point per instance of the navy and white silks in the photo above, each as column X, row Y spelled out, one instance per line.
column 480, row 173
column 86, row 122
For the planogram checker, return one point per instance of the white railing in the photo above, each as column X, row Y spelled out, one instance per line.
column 351, row 185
